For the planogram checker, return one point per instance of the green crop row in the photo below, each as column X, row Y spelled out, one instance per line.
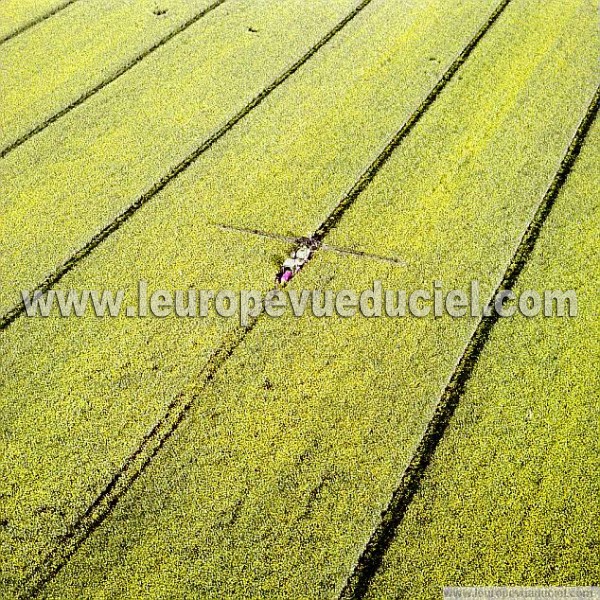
column 512, row 495
column 276, row 479
column 53, row 64
column 17, row 14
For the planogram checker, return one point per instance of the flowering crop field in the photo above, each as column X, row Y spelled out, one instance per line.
column 191, row 144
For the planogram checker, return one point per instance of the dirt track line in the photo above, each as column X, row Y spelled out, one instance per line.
column 371, row 557
column 53, row 278
column 369, row 174
column 130, row 470
column 36, row 21
column 118, row 73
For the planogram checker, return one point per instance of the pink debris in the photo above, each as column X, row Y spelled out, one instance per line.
column 293, row 264
column 285, row 274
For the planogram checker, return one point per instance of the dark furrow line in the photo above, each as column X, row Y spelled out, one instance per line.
column 371, row 557
column 54, row 277
column 333, row 218
column 121, row 71
column 37, row 21
column 131, row 469
column 367, row 177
